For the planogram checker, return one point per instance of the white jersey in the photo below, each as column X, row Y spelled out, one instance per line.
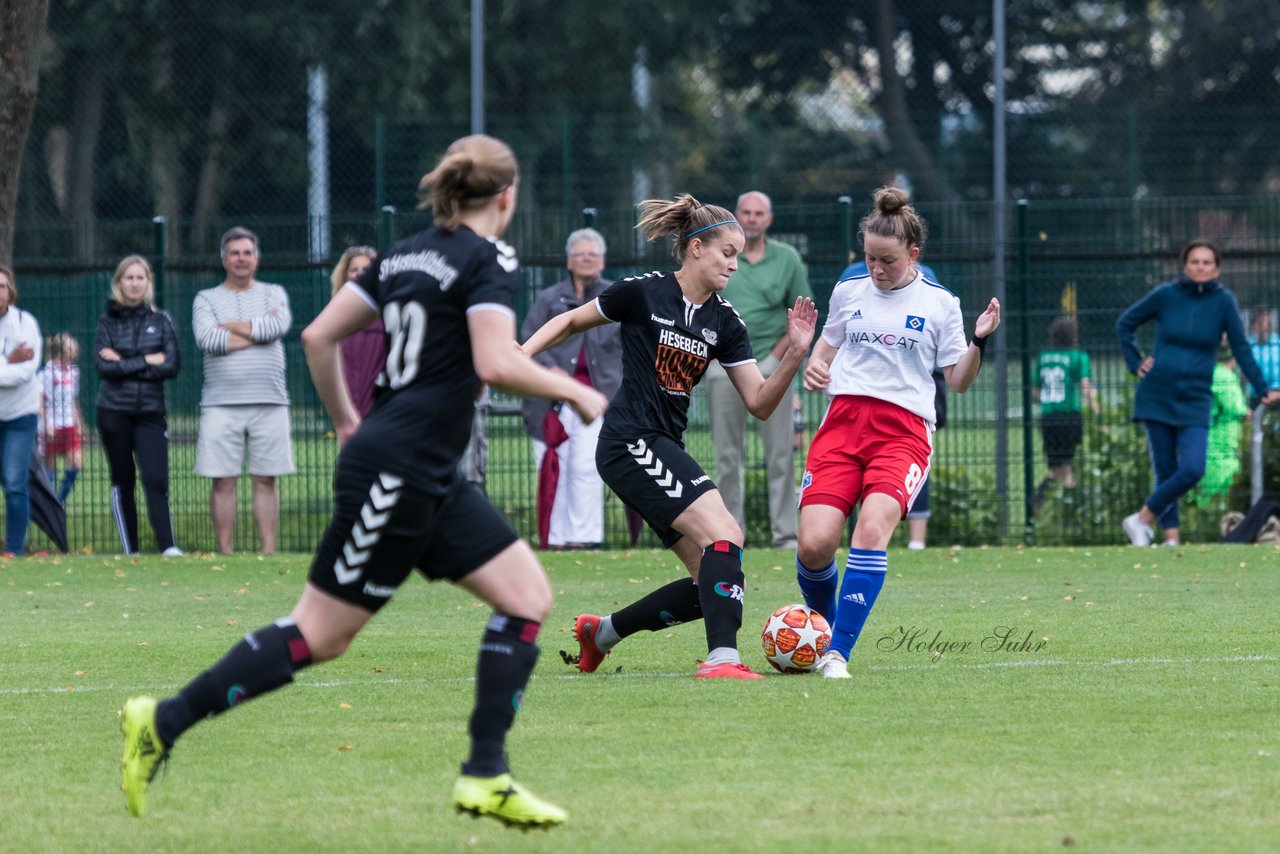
column 890, row 341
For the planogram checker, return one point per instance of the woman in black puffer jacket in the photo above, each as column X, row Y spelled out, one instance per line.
column 137, row 350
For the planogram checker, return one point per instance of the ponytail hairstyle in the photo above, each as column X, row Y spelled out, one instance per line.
column 338, row 277
column 894, row 217
column 473, row 171
column 683, row 218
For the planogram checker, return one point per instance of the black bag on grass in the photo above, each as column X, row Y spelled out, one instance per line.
column 1252, row 524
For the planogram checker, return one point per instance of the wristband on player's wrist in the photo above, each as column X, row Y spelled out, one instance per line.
column 981, row 344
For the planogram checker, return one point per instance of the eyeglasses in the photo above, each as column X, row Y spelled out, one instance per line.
column 577, row 256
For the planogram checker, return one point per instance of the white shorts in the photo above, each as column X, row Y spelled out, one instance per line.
column 224, row 431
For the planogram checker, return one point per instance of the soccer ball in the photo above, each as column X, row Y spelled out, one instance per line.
column 794, row 638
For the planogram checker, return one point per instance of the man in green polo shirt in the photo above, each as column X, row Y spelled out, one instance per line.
column 770, row 276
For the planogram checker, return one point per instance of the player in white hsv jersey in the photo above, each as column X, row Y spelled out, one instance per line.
column 885, row 333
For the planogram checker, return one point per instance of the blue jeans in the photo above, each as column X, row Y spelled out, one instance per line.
column 1178, row 456
column 17, row 441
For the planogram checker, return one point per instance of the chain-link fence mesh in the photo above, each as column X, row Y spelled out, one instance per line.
column 1131, row 127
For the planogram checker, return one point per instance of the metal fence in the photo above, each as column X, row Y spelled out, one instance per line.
column 1087, row 258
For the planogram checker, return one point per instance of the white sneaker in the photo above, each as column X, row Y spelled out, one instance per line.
column 915, row 546
column 833, row 666
column 1171, row 544
column 1139, row 534
column 173, row 551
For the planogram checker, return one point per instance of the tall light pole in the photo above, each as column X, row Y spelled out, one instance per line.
column 477, row 66
column 999, row 234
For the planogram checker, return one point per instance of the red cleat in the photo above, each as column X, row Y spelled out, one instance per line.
column 726, row 671
column 584, row 632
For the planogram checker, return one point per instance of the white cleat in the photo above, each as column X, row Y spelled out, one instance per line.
column 833, row 666
column 173, row 551
column 1139, row 534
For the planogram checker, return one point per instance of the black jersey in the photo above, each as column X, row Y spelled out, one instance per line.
column 667, row 343
column 424, row 287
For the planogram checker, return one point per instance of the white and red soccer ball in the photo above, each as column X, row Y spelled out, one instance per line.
column 795, row 638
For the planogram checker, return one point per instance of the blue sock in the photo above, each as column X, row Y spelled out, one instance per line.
column 819, row 588
column 68, row 483
column 863, row 578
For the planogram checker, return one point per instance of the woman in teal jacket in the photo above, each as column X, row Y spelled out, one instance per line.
column 1175, row 382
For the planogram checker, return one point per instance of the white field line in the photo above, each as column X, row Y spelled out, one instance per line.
column 688, row 674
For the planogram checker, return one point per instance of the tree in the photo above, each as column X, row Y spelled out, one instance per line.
column 22, row 24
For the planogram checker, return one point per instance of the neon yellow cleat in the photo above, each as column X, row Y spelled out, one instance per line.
column 143, row 751
column 505, row 800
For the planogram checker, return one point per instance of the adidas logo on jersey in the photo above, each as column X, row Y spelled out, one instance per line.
column 855, row 598
column 857, row 314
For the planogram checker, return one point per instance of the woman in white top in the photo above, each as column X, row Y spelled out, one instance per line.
column 20, row 346
column 885, row 332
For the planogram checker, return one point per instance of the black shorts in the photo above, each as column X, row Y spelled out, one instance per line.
column 655, row 477
column 1063, row 432
column 383, row 528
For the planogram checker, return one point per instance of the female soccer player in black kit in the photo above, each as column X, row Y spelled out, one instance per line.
column 673, row 324
column 445, row 297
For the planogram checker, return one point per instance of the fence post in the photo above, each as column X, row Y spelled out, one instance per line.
column 846, row 227
column 386, row 229
column 379, row 162
column 159, row 254
column 589, row 217
column 1256, row 436
column 1028, row 443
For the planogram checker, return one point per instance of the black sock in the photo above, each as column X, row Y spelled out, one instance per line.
column 1040, row 491
column 261, row 662
column 720, row 582
column 667, row 606
column 507, row 656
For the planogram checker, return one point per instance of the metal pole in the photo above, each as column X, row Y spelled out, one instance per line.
column 386, row 216
column 318, row 161
column 589, row 217
column 846, row 226
column 379, row 162
column 998, row 227
column 1028, row 443
column 477, row 66
column 1255, row 444
column 158, row 250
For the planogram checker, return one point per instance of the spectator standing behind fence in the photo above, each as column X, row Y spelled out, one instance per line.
column 1227, row 411
column 364, row 351
column 136, row 348
column 1174, row 394
column 20, row 347
column 1265, row 344
column 61, row 425
column 1062, row 385
column 769, row 279
column 239, row 326
column 573, row 487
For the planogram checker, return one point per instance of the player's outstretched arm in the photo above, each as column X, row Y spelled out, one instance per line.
column 344, row 314
column 762, row 396
column 504, row 366
column 962, row 374
column 563, row 326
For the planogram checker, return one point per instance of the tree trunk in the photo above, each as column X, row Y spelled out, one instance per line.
column 906, row 144
column 22, row 24
column 86, row 127
column 209, row 183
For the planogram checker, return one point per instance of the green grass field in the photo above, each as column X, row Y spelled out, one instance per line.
column 1143, row 715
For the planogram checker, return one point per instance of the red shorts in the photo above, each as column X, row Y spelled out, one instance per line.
column 65, row 441
column 865, row 446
